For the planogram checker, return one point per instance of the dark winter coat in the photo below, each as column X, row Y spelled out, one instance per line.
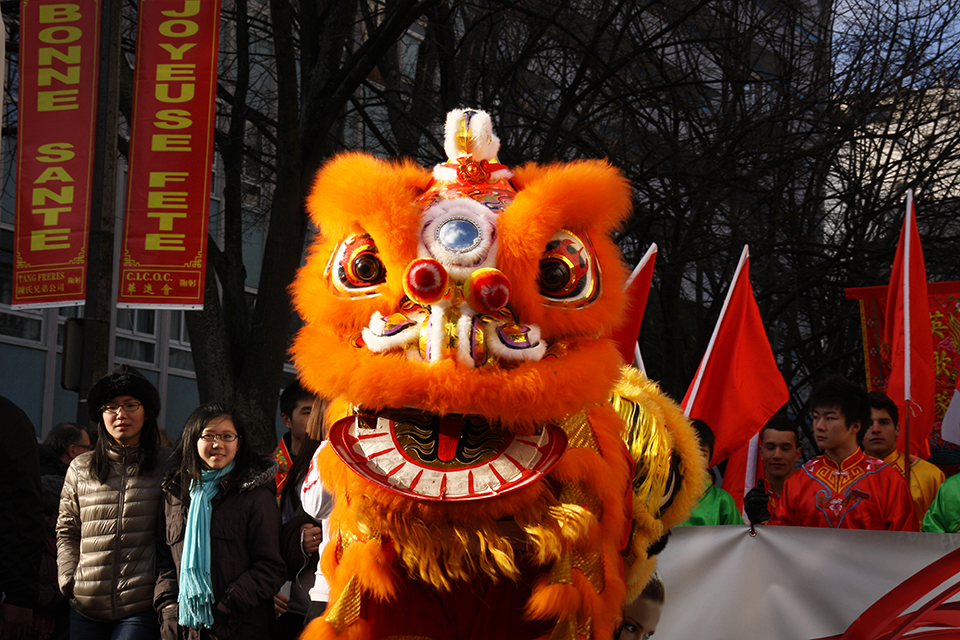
column 106, row 534
column 50, row 462
column 245, row 563
column 21, row 519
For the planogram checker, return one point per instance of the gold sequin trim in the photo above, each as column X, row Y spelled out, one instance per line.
column 346, row 611
column 572, row 629
column 566, row 629
column 579, row 433
column 575, row 494
column 591, row 564
column 344, row 540
column 562, row 568
column 585, row 627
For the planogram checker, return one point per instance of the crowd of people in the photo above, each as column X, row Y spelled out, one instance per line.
column 857, row 482
column 138, row 541
column 213, row 540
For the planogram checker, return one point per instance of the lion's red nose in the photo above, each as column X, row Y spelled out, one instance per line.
column 487, row 290
column 425, row 281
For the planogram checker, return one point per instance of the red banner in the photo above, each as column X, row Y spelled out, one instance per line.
column 944, row 298
column 171, row 151
column 59, row 55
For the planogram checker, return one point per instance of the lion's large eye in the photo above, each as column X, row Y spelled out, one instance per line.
column 556, row 277
column 356, row 267
column 569, row 273
column 364, row 269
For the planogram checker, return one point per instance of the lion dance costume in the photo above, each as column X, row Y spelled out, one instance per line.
column 482, row 485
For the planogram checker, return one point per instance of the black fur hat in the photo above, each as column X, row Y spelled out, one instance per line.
column 122, row 381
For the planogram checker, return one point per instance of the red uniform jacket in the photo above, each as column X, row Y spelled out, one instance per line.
column 860, row 493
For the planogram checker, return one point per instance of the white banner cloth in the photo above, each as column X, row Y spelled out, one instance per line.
column 794, row 583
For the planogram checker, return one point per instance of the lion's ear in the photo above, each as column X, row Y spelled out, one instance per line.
column 586, row 195
column 358, row 190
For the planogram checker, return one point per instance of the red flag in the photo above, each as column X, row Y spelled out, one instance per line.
column 738, row 386
column 908, row 332
column 638, row 289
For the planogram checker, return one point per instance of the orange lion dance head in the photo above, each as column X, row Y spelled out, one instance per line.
column 457, row 319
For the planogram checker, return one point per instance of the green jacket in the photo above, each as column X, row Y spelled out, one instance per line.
column 715, row 507
column 943, row 516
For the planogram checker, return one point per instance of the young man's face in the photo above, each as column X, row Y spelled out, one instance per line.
column 831, row 431
column 297, row 423
column 778, row 453
column 880, row 440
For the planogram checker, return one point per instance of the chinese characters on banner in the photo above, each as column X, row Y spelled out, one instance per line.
column 944, row 300
column 171, row 148
column 59, row 54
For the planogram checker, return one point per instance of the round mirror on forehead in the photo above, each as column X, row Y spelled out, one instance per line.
column 458, row 235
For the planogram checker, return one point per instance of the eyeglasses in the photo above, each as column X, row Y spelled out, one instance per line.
column 83, row 446
column 223, row 437
column 129, row 407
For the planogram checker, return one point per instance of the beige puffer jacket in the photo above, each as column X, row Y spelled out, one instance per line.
column 106, row 535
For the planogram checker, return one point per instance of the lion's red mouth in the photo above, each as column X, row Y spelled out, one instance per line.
column 454, row 457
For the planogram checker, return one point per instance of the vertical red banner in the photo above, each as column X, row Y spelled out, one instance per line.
column 171, row 152
column 944, row 300
column 59, row 56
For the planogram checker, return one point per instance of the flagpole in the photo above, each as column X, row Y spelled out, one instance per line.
column 651, row 252
column 907, row 394
column 638, row 358
column 706, row 356
column 750, row 472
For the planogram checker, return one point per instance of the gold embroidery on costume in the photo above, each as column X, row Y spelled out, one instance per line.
column 346, row 611
column 572, row 493
column 579, row 433
column 566, row 629
column 839, row 479
column 571, row 628
column 591, row 564
column 344, row 540
column 561, row 572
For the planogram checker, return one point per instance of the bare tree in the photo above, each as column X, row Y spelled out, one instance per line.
column 737, row 123
column 794, row 127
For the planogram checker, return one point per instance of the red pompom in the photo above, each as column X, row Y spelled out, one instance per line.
column 487, row 290
column 425, row 281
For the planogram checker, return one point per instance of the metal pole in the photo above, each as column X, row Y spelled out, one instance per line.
column 98, row 304
column 906, row 445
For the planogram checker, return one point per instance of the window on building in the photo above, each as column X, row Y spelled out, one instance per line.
column 137, row 335
column 180, row 355
column 22, row 324
column 63, row 313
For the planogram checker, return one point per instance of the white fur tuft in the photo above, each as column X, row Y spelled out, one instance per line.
column 495, row 345
column 378, row 343
column 476, row 137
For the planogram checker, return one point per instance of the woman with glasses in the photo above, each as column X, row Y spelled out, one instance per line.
column 219, row 560
column 107, row 523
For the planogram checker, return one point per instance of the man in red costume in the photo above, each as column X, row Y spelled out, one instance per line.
column 844, row 488
column 295, row 406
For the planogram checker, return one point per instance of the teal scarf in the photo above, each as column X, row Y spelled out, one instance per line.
column 196, row 590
